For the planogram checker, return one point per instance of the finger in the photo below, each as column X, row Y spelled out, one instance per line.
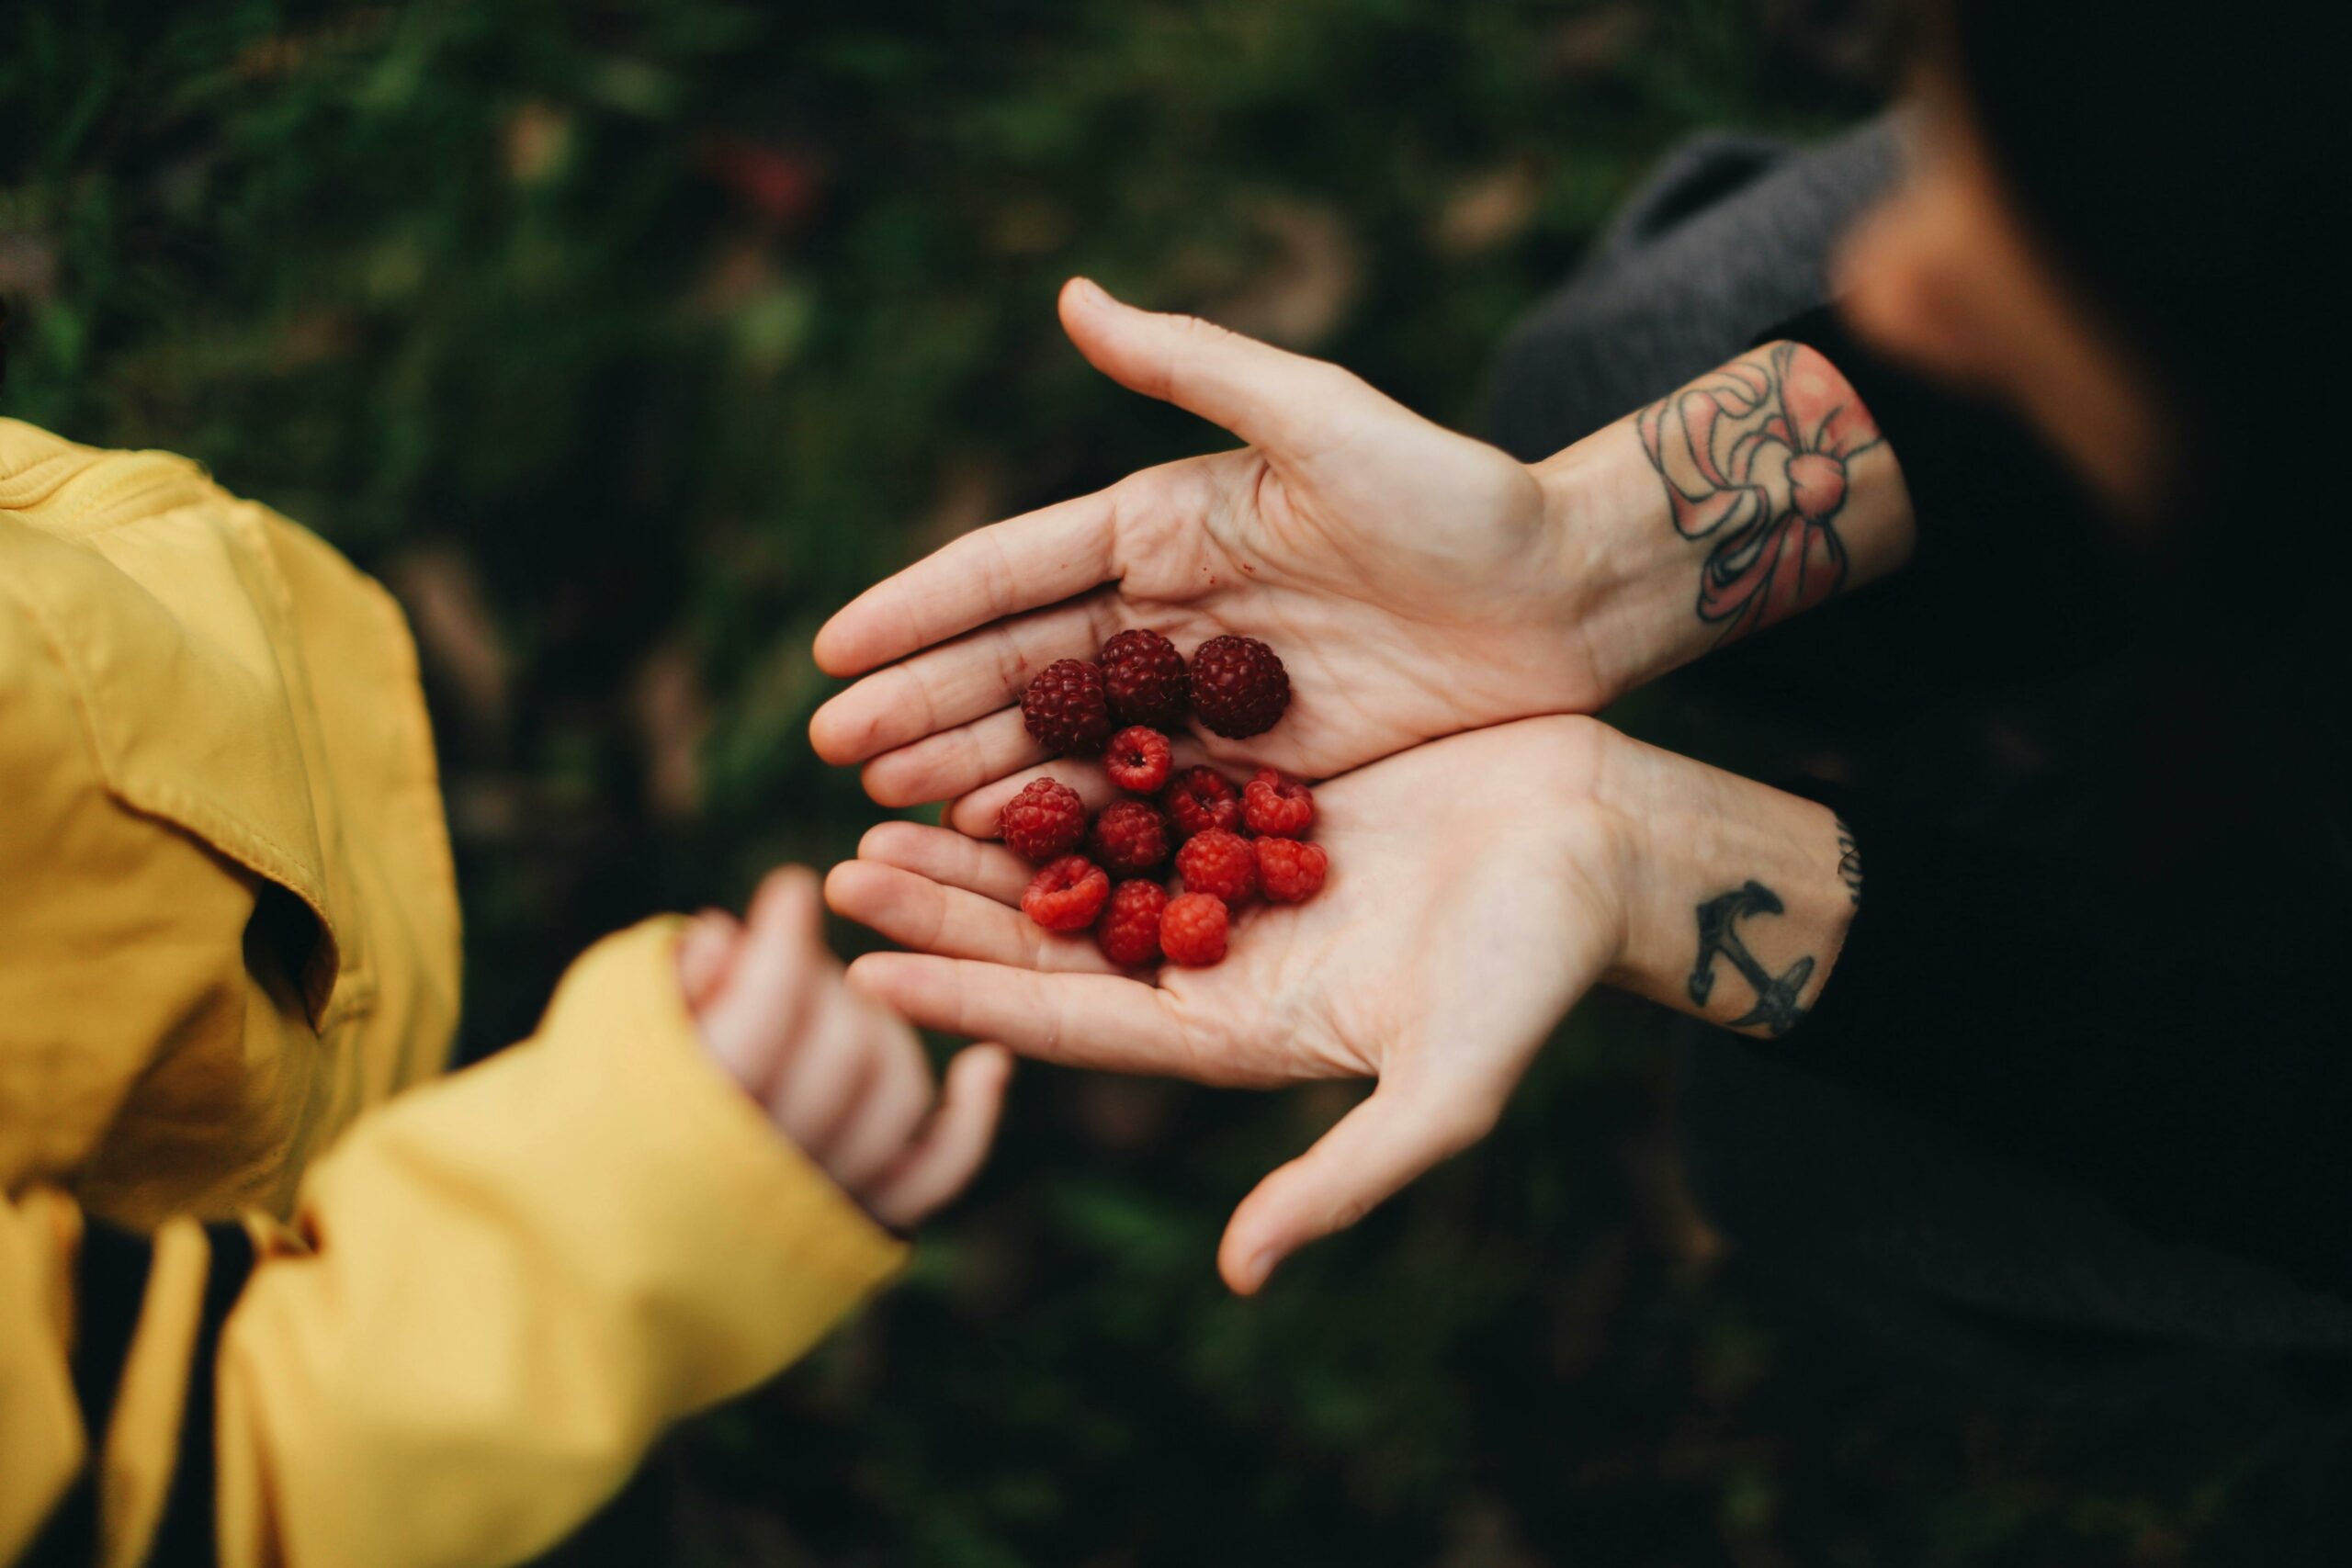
column 950, row 858
column 818, row 1084
column 976, row 810
column 1376, row 1148
column 954, row 760
column 917, row 912
column 1080, row 1020
column 705, row 950
column 752, row 1020
column 947, row 1150
column 1022, row 563
column 897, row 1095
column 1284, row 402
column 975, row 675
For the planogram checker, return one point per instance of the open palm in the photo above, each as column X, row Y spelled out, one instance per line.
column 1471, row 902
column 1406, row 574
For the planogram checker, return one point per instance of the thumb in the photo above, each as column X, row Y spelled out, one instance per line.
column 1386, row 1141
column 1282, row 402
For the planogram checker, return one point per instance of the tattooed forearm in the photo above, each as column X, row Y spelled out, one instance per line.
column 1754, row 459
column 1849, row 862
column 1776, row 1008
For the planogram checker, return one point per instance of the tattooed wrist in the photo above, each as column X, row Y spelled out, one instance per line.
column 1755, row 458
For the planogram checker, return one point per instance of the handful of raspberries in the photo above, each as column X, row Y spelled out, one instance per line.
column 1229, row 845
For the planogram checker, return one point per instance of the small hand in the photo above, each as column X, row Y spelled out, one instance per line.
column 1408, row 576
column 840, row 1077
column 1474, row 897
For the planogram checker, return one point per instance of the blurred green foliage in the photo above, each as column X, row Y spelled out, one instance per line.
column 626, row 340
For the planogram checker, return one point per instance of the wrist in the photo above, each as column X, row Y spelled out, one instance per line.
column 1627, row 577
column 1737, row 896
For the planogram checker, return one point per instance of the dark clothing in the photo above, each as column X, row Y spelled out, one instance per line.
column 2075, row 1090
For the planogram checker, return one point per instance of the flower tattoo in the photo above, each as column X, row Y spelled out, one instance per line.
column 1754, row 458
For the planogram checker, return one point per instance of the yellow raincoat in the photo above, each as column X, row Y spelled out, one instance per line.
column 263, row 1289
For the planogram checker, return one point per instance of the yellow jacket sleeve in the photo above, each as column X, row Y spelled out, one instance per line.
column 514, row 1279
column 497, row 1291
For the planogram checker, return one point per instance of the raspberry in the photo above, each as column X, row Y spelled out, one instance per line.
column 1139, row 760
column 1277, row 807
column 1143, row 675
column 1238, row 686
column 1191, row 931
column 1130, row 838
column 1290, row 871
column 1218, row 863
column 1129, row 931
column 1045, row 821
column 1066, row 895
column 1064, row 706
column 1200, row 798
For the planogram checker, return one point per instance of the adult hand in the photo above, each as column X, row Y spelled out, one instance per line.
column 1416, row 581
column 1479, row 886
column 1473, row 897
column 840, row 1077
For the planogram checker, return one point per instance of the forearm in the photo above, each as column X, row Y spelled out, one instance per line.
column 1750, row 494
column 1736, row 896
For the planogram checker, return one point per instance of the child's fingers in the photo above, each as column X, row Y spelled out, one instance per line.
column 949, row 858
column 1041, row 558
column 756, row 1016
column 976, row 674
column 1385, row 1141
column 947, row 1150
column 916, row 912
column 704, row 952
column 816, row 1086
column 897, row 1095
column 953, row 762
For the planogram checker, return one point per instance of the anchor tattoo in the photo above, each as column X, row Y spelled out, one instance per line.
column 1776, row 995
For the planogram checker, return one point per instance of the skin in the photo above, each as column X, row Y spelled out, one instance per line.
column 840, row 1077
column 1446, row 613
column 1944, row 274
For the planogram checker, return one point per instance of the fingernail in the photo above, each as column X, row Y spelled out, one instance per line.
column 1091, row 292
column 1262, row 1268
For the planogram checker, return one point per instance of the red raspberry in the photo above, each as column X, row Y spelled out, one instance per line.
column 1218, row 863
column 1201, row 799
column 1064, row 706
column 1143, row 677
column 1066, row 895
column 1139, row 760
column 1130, row 838
column 1238, row 686
column 1045, row 821
column 1129, row 931
column 1191, row 931
column 1290, row 871
column 1277, row 807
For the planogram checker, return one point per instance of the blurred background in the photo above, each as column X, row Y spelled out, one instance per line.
column 627, row 340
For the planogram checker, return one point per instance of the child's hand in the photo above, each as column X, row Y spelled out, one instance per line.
column 839, row 1075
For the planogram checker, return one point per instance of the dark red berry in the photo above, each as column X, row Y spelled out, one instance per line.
column 1290, row 871
column 1200, row 798
column 1064, row 706
column 1238, row 686
column 1046, row 819
column 1143, row 675
column 1277, row 807
column 1065, row 895
column 1218, row 863
column 1191, row 931
column 1139, row 760
column 1130, row 838
column 1128, row 933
